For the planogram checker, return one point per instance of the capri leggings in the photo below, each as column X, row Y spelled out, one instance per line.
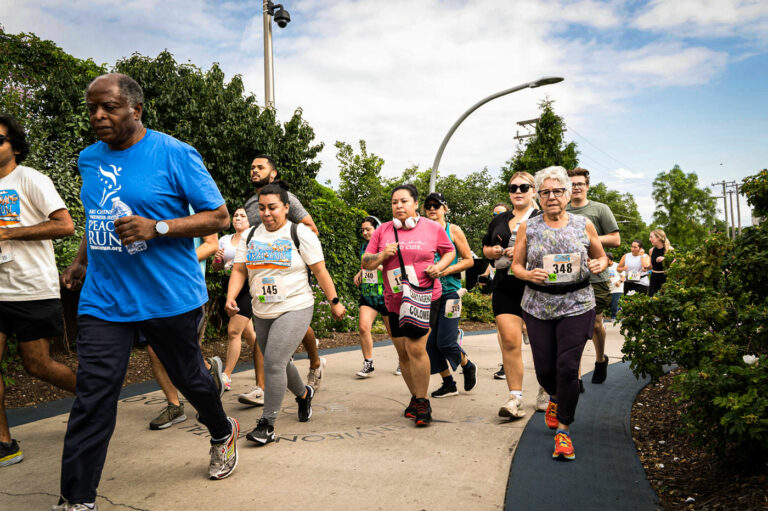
column 557, row 345
column 278, row 339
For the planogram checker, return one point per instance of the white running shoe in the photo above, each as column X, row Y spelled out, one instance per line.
column 397, row 372
column 542, row 400
column 513, row 408
column 226, row 381
column 254, row 398
column 315, row 376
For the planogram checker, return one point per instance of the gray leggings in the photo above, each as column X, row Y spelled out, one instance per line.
column 278, row 339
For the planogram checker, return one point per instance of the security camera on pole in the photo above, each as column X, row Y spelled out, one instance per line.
column 282, row 18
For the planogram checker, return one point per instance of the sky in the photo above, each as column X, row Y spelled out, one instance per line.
column 647, row 84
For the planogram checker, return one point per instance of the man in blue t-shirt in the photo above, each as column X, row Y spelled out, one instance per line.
column 158, row 289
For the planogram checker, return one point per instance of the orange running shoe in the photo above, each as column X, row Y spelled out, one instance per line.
column 550, row 417
column 563, row 447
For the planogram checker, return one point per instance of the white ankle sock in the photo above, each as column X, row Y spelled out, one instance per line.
column 516, row 393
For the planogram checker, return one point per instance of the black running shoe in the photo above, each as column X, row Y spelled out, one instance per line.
column 581, row 386
column 423, row 412
column 470, row 375
column 499, row 375
column 601, row 371
column 410, row 410
column 305, row 404
column 10, row 453
column 263, row 433
column 446, row 390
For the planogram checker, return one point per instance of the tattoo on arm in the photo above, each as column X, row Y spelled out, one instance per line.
column 369, row 258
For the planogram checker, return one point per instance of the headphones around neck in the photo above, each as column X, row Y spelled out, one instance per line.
column 410, row 222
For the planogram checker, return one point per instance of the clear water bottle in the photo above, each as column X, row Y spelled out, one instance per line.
column 119, row 210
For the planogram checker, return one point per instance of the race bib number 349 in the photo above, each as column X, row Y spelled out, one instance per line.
column 563, row 267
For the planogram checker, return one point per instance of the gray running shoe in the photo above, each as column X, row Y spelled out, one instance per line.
column 217, row 370
column 224, row 455
column 542, row 400
column 315, row 376
column 254, row 398
column 74, row 507
column 526, row 340
column 170, row 415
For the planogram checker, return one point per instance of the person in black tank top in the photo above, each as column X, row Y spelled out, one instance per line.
column 661, row 246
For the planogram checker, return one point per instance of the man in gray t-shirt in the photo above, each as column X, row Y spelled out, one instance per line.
column 264, row 172
column 608, row 232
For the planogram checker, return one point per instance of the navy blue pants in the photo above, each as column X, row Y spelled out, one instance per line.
column 557, row 346
column 442, row 343
column 615, row 304
column 103, row 350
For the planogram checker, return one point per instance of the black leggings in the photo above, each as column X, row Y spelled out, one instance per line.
column 657, row 280
column 557, row 345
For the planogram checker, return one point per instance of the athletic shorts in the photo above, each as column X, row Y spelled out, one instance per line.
column 394, row 319
column 380, row 308
column 507, row 296
column 32, row 320
column 602, row 296
column 244, row 302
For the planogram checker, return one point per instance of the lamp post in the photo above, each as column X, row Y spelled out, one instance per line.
column 538, row 83
column 282, row 18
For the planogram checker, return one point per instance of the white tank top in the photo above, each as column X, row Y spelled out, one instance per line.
column 634, row 266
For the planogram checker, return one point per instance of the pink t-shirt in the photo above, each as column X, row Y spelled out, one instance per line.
column 418, row 247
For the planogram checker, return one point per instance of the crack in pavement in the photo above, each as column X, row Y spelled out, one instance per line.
column 27, row 494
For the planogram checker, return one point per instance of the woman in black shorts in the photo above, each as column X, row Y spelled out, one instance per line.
column 371, row 284
column 498, row 246
column 659, row 248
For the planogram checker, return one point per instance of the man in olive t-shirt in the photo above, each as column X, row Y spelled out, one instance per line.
column 608, row 231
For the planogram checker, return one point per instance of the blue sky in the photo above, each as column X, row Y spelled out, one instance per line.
column 648, row 84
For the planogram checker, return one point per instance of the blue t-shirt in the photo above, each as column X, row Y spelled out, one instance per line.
column 159, row 177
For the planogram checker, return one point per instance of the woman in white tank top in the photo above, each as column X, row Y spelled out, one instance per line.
column 636, row 265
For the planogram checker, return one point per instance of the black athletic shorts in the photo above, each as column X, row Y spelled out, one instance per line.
column 32, row 320
column 381, row 309
column 507, row 296
column 244, row 302
column 394, row 319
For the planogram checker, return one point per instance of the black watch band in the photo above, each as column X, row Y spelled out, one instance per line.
column 335, row 300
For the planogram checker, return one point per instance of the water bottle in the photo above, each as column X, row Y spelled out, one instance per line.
column 119, row 210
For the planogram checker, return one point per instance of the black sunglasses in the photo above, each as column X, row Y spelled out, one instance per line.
column 3, row 138
column 432, row 205
column 523, row 188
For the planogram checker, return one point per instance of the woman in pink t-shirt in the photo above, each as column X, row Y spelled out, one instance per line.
column 420, row 239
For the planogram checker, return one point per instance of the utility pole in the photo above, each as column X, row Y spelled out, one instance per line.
column 725, row 207
column 525, row 123
column 733, row 226
column 738, row 206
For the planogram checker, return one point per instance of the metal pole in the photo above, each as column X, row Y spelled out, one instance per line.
column 738, row 207
column 725, row 211
column 436, row 163
column 269, row 75
column 733, row 223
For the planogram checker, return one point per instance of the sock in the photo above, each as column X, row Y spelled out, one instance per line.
column 468, row 364
column 368, row 359
column 516, row 393
column 448, row 380
column 563, row 431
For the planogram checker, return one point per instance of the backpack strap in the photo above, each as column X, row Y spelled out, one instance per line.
column 295, row 238
column 250, row 236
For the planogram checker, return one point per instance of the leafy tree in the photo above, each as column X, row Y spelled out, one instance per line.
column 756, row 189
column 545, row 148
column 624, row 208
column 685, row 211
column 360, row 180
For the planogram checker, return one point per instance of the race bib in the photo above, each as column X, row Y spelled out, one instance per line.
column 563, row 267
column 396, row 279
column 270, row 290
column 370, row 277
column 6, row 252
column 453, row 308
column 634, row 275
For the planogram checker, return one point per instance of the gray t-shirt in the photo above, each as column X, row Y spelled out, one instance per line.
column 295, row 213
column 605, row 223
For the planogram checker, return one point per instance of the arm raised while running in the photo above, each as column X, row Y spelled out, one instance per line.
column 372, row 261
column 325, row 282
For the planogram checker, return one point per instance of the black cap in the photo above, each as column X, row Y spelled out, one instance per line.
column 437, row 197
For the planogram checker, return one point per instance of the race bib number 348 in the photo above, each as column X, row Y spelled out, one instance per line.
column 563, row 267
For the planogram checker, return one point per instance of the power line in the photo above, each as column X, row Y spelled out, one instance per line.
column 608, row 155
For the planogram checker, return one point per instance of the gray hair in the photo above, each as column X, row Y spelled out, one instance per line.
column 129, row 88
column 557, row 173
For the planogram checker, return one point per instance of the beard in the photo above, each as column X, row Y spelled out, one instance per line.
column 261, row 183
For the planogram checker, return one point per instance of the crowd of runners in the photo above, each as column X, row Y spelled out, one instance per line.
column 153, row 214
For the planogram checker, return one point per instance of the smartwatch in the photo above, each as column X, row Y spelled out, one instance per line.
column 161, row 228
column 335, row 301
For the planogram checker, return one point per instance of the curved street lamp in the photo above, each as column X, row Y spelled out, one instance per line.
column 538, row 83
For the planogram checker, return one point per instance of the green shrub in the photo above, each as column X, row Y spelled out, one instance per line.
column 711, row 313
column 477, row 307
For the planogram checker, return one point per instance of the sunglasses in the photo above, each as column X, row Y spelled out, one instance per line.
column 523, row 188
column 3, row 138
column 557, row 192
column 432, row 205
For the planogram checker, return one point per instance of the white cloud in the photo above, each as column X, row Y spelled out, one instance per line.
column 706, row 17
column 624, row 174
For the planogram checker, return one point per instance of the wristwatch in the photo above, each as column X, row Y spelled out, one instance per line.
column 161, row 228
column 335, row 300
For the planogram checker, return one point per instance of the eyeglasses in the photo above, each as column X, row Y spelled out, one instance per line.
column 3, row 138
column 523, row 188
column 578, row 185
column 557, row 192
column 432, row 205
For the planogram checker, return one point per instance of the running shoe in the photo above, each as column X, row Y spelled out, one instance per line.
column 397, row 371
column 563, row 446
column 170, row 415
column 224, row 454
column 460, row 338
column 470, row 375
column 66, row 506
column 542, row 400
column 512, row 409
column 423, row 412
column 526, row 339
column 499, row 375
column 315, row 376
column 410, row 410
column 367, row 370
column 601, row 371
column 446, row 390
column 254, row 398
column 305, row 404
column 263, row 433
column 226, row 381
column 10, row 453
column 550, row 417
column 581, row 386
column 216, row 371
